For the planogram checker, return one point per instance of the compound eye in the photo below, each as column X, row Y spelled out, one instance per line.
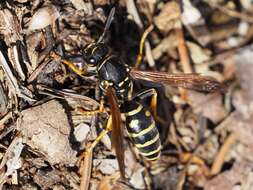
column 92, row 60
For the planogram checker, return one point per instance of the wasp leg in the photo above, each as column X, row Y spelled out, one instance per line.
column 141, row 47
column 99, row 137
column 71, row 65
column 153, row 104
column 93, row 112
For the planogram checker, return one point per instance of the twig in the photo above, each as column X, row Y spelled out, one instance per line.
column 183, row 172
column 9, row 129
column 219, row 160
column 181, row 181
column 184, row 57
column 65, row 93
column 166, row 43
column 85, row 170
column 50, row 43
column 20, row 90
column 183, row 52
column 12, row 80
column 14, row 56
column 37, row 71
column 5, row 118
column 231, row 13
column 192, row 157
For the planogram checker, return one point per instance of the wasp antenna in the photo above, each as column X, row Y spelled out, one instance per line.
column 107, row 25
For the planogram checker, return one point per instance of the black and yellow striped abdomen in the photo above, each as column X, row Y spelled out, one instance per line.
column 142, row 129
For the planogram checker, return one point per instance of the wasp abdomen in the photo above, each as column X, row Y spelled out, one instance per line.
column 142, row 129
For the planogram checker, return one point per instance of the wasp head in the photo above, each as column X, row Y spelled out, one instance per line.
column 94, row 53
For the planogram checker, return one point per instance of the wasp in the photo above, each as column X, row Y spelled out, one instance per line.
column 116, row 83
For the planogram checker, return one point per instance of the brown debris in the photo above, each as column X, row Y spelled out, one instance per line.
column 238, row 175
column 44, row 17
column 168, row 17
column 209, row 105
column 85, row 171
column 219, row 160
column 47, row 179
column 10, row 27
column 244, row 70
column 50, row 136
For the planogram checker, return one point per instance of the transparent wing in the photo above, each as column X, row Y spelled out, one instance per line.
column 189, row 81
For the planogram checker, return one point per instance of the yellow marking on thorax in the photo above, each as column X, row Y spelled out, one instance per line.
column 135, row 111
column 130, row 92
column 143, row 132
column 122, row 82
column 148, row 142
column 93, row 50
column 109, row 57
column 91, row 44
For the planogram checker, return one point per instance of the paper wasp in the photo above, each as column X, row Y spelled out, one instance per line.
column 116, row 83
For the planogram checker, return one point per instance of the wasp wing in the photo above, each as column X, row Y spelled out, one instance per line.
column 117, row 133
column 192, row 81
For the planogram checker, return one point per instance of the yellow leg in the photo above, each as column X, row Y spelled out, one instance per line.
column 93, row 112
column 141, row 47
column 153, row 106
column 72, row 66
column 99, row 137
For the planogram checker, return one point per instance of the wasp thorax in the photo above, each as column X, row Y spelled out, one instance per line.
column 94, row 53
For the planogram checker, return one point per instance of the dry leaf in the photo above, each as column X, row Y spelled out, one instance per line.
column 106, row 166
column 244, row 69
column 168, row 17
column 238, row 175
column 210, row 105
column 197, row 53
column 46, row 129
column 43, row 17
column 190, row 14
